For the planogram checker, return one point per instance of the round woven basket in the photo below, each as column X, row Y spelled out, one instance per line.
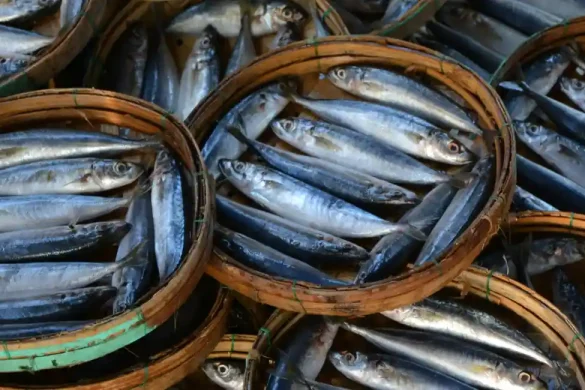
column 308, row 59
column 88, row 108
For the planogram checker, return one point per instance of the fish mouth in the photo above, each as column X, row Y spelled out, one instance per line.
column 225, row 166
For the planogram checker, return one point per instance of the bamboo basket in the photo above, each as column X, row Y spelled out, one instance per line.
column 68, row 44
column 88, row 108
column 306, row 59
column 144, row 11
column 412, row 21
column 508, row 294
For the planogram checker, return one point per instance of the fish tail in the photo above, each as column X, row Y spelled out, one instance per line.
column 245, row 12
column 414, row 232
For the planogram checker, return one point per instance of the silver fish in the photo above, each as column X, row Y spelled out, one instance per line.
column 70, row 10
column 39, row 211
column 548, row 253
column 228, row 375
column 286, row 35
column 301, row 203
column 201, row 73
column 161, row 78
column 46, row 144
column 18, row 11
column 14, row 63
column 168, row 214
column 255, row 113
column 244, row 51
column 525, row 201
column 396, row 10
column 454, row 319
column 401, row 130
column 402, row 92
column 15, row 40
column 575, row 90
column 225, row 16
column 129, row 60
column 320, row 28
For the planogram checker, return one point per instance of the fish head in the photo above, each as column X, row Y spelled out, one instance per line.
column 346, row 77
column 531, row 133
column 138, row 36
column 287, row 34
column 224, row 373
column 348, row 362
column 284, row 11
column 117, row 171
column 572, row 87
column 240, row 173
column 442, row 145
column 517, row 378
column 205, row 47
column 289, row 129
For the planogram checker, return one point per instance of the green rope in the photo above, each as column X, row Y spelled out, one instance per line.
column 487, row 286
column 6, row 350
column 571, row 218
column 232, row 347
column 145, row 378
column 266, row 332
column 326, row 13
column 294, row 291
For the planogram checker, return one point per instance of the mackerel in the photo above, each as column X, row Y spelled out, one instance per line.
column 17, row 41
column 20, row 11
column 228, row 375
column 244, row 51
column 161, row 78
column 574, row 89
column 525, row 201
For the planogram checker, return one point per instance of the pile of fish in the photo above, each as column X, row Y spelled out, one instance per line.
column 363, row 161
column 18, row 19
column 441, row 344
column 61, row 260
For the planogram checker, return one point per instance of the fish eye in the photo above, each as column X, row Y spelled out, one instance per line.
column 349, row 358
column 263, row 96
column 287, row 13
column 454, row 147
column 287, row 125
column 121, row 168
column 533, row 129
column 340, row 73
column 2, row 60
column 239, row 166
column 222, row 369
column 525, row 377
column 578, row 84
column 205, row 42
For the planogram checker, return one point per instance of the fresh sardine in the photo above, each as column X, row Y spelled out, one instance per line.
column 128, row 60
column 244, row 51
column 575, row 90
column 226, row 374
column 161, row 78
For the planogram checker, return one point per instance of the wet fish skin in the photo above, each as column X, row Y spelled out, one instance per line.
column 468, row 363
column 307, row 205
column 355, row 150
column 13, row 63
column 129, row 58
column 454, row 319
column 19, row 41
column 380, row 371
column 22, row 147
column 396, row 10
column 264, row 259
column 201, row 73
column 392, row 252
column 463, row 209
column 286, row 35
column 19, row 11
column 292, row 239
column 568, row 298
column 161, row 78
column 55, row 242
column 525, row 201
column 227, row 374
column 244, row 51
column 168, row 214
column 66, row 305
column 575, row 90
column 70, row 10
column 25, row 331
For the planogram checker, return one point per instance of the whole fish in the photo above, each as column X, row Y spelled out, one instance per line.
column 68, row 176
column 386, row 372
column 70, row 10
column 553, row 188
column 133, row 282
column 12, row 63
column 565, row 9
column 129, row 60
column 200, row 76
column 22, row 147
column 355, row 150
column 226, row 374
column 364, row 7
column 401, row 130
column 393, row 251
column 255, row 112
column 19, row 11
column 468, row 363
column 25, row 331
column 463, row 209
column 454, row 319
column 307, row 205
column 575, row 90
column 401, row 92
column 522, row 16
column 225, row 16
column 168, row 214
column 59, row 241
column 487, row 31
column 66, row 305
column 244, row 51
column 34, row 279
column 286, row 35
column 348, row 184
column 161, row 78
column 321, row 30
column 15, row 40
column 396, row 10
column 295, row 240
column 569, row 299
column 264, row 259
column 40, row 211
column 541, row 75
column 305, row 354
column 563, row 154
column 525, row 201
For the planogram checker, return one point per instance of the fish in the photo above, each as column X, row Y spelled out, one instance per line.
column 307, row 205
column 33, row 279
column 454, row 319
column 225, row 16
column 306, row 352
column 70, row 11
column 60, row 241
column 403, row 93
column 368, row 7
column 168, row 213
column 541, row 75
column 569, row 299
column 17, row 11
column 25, row 331
column 523, row 200
column 12, row 63
column 548, row 185
column 353, row 23
column 62, row 306
column 574, row 90
column 565, row 9
column 254, row 112
column 398, row 129
column 128, row 60
column 68, row 176
column 27, row 146
column 468, row 363
column 396, row 10
column 545, row 254
column 244, row 51
column 133, row 282
column 321, row 30
column 43, row 211
column 290, row 238
column 286, row 35
column 200, row 75
column 267, row 260
column 161, row 78
column 461, row 212
column 563, row 154
column 380, row 371
column 346, row 183
column 17, row 41
column 227, row 374
column 356, row 151
column 393, row 251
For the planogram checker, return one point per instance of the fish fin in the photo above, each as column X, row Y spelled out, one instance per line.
column 415, row 233
column 462, row 179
